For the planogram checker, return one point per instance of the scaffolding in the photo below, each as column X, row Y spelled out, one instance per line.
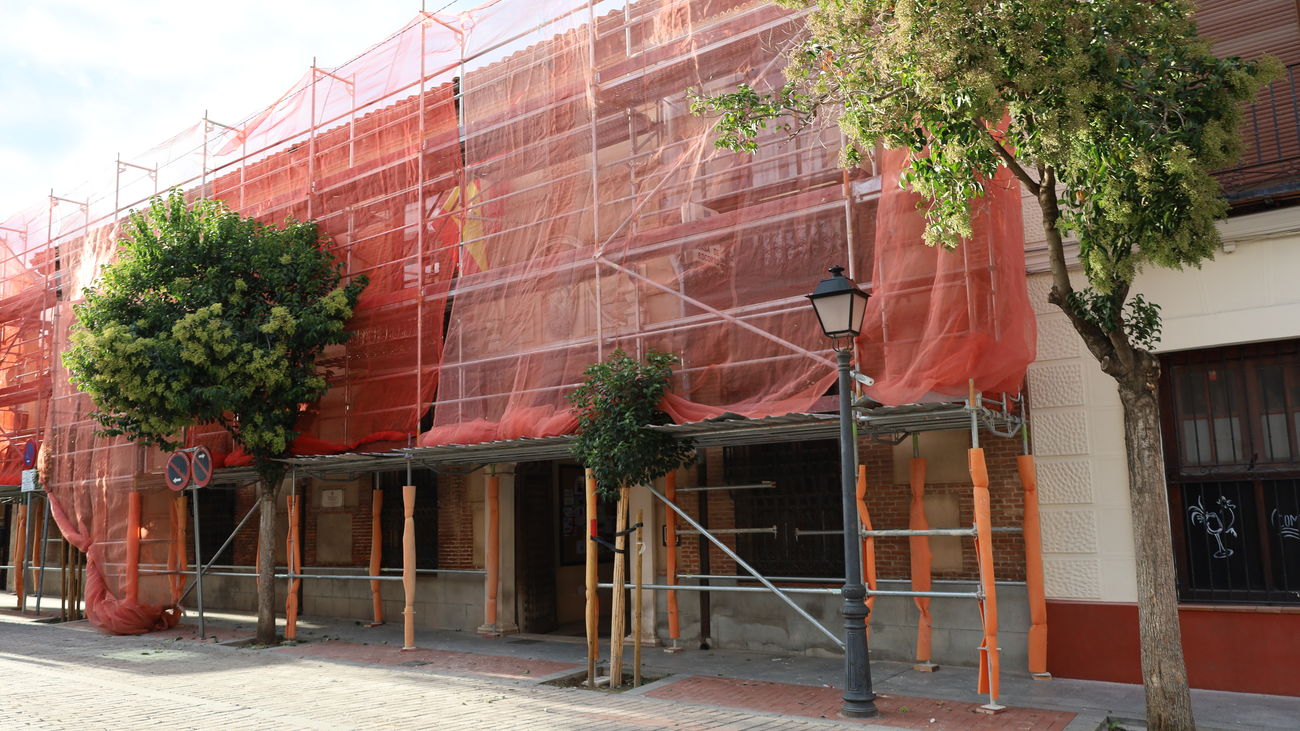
column 524, row 197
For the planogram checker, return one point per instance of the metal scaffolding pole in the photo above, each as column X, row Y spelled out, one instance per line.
column 741, row 563
column 198, row 561
column 207, row 568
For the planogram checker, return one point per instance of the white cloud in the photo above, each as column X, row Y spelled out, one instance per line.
column 82, row 80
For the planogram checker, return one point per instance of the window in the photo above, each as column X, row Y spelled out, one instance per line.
column 806, row 498
column 392, row 521
column 1232, row 452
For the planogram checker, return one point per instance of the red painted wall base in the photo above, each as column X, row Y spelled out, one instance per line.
column 1247, row 649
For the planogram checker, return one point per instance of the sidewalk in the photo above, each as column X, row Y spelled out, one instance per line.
column 794, row 686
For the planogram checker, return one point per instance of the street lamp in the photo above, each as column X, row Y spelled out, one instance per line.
column 840, row 306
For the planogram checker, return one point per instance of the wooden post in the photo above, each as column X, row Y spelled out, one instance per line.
column 20, row 555
column 132, row 547
column 868, row 543
column 408, row 566
column 180, row 544
column 636, row 602
column 989, row 660
column 922, row 560
column 617, row 622
column 670, row 537
column 593, row 646
column 1034, row 569
column 63, row 582
column 493, row 553
column 376, row 553
column 295, row 567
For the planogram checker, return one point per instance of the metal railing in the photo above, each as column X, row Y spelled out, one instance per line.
column 1270, row 143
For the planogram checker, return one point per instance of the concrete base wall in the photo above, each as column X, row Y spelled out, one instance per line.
column 764, row 623
column 453, row 601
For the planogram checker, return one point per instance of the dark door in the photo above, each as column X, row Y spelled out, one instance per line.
column 535, row 546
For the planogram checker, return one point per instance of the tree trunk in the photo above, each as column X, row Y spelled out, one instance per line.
column 1168, row 700
column 266, row 564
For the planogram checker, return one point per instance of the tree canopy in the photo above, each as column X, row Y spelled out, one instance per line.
column 618, row 398
column 1116, row 103
column 209, row 317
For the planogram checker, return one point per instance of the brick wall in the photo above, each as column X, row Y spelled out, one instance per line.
column 455, row 523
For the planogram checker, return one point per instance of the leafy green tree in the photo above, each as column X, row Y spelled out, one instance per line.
column 206, row 317
column 617, row 400
column 1112, row 113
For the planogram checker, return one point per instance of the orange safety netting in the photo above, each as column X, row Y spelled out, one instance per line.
column 527, row 191
column 938, row 318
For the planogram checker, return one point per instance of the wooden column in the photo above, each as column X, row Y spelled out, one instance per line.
column 670, row 537
column 989, row 660
column 919, row 547
column 593, row 641
column 376, row 553
column 295, row 567
column 492, row 553
column 408, row 566
column 132, row 547
column 177, row 561
column 20, row 555
column 1034, row 569
column 617, row 622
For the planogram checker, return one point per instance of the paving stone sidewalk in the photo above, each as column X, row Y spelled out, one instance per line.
column 59, row 677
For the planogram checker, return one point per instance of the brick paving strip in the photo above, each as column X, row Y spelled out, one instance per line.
column 61, row 678
column 822, row 702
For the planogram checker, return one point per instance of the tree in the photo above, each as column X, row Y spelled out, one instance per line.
column 1112, row 113
column 616, row 401
column 207, row 317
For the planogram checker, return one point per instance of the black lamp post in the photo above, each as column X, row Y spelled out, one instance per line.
column 840, row 306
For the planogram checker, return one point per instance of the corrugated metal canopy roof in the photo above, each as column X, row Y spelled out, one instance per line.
column 727, row 430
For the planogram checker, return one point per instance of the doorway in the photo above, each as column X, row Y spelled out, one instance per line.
column 551, row 549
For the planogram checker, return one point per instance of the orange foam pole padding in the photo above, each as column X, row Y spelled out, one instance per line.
column 921, row 559
column 1034, row 567
column 376, row 553
column 176, row 559
column 20, row 555
column 670, row 537
column 133, row 546
column 295, row 561
column 868, row 543
column 593, row 642
column 989, row 670
column 408, row 566
column 493, row 549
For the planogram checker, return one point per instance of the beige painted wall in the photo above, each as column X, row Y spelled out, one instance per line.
column 1247, row 294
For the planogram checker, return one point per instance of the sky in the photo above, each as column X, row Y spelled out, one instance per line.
column 84, row 80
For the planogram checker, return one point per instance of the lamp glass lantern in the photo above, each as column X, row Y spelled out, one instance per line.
column 839, row 304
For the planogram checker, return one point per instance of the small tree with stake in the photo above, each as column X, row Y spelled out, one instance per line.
column 617, row 400
column 1113, row 114
column 207, row 317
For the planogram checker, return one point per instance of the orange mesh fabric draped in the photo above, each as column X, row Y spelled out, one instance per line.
column 529, row 176
column 621, row 226
column 25, row 300
column 89, row 478
column 940, row 318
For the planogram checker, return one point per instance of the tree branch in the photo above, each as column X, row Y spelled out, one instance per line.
column 1094, row 337
column 1012, row 163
